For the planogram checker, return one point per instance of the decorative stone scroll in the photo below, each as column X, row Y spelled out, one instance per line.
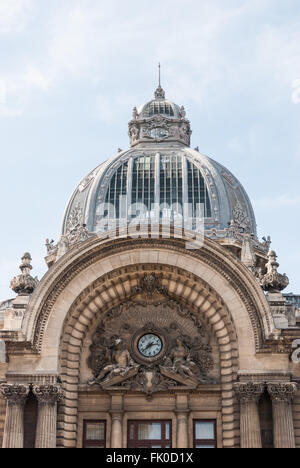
column 282, row 391
column 48, row 394
column 15, row 394
column 249, row 391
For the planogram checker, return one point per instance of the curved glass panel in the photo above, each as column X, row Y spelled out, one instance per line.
column 157, row 107
column 197, row 193
column 143, row 187
column 171, row 187
column 116, row 194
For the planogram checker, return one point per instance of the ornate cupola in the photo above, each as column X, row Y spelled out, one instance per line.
column 159, row 120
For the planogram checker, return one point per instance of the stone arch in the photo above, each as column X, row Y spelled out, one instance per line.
column 223, row 269
column 107, row 293
column 64, row 305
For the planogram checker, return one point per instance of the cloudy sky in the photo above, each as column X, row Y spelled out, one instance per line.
column 72, row 70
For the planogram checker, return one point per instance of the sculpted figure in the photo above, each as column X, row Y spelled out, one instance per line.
column 180, row 360
column 119, row 363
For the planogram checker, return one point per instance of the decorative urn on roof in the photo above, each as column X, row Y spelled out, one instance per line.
column 273, row 281
column 24, row 284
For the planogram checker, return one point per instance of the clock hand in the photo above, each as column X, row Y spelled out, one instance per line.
column 149, row 345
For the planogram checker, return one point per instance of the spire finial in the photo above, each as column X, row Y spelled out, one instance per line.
column 159, row 93
column 159, row 75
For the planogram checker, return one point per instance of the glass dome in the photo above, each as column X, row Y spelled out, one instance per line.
column 160, row 178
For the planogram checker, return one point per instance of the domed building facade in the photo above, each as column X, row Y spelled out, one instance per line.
column 161, row 320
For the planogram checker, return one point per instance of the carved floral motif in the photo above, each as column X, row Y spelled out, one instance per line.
column 241, row 218
column 15, row 394
column 249, row 391
column 48, row 394
column 281, row 391
column 149, row 284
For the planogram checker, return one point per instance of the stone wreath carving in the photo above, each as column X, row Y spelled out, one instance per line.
column 185, row 361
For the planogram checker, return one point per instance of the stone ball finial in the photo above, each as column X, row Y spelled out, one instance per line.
column 24, row 284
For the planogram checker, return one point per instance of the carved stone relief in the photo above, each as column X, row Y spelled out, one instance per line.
column 183, row 360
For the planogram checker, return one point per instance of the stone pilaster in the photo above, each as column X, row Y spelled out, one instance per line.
column 15, row 396
column 182, row 429
column 182, row 413
column 282, row 394
column 249, row 394
column 117, row 429
column 117, row 415
column 48, row 396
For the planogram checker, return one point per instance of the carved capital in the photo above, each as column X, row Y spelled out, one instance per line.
column 249, row 391
column 282, row 391
column 15, row 394
column 48, row 394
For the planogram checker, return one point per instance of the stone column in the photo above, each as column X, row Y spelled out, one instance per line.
column 182, row 412
column 116, row 429
column 282, row 394
column 249, row 394
column 117, row 415
column 182, row 429
column 15, row 396
column 48, row 396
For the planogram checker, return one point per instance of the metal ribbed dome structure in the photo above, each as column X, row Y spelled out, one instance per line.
column 160, row 177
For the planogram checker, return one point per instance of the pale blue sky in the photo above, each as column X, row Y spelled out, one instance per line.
column 72, row 70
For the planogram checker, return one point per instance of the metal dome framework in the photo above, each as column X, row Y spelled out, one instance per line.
column 161, row 178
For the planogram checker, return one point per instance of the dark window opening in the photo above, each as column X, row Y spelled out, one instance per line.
column 266, row 420
column 30, row 421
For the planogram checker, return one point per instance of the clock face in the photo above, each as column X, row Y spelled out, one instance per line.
column 159, row 132
column 150, row 345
